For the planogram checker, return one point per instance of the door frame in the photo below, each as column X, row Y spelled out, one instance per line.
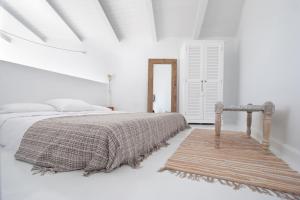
column 151, row 63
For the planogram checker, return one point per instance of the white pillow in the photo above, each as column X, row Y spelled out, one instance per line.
column 25, row 107
column 100, row 108
column 69, row 105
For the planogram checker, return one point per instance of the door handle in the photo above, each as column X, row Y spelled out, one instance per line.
column 202, row 86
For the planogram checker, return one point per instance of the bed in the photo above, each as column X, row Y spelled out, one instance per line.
column 91, row 141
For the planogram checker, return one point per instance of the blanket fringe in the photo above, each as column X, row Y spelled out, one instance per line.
column 233, row 184
column 136, row 163
column 87, row 173
column 42, row 170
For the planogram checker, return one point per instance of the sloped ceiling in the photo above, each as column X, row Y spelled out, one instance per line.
column 98, row 21
column 84, row 16
column 221, row 18
column 129, row 18
column 175, row 18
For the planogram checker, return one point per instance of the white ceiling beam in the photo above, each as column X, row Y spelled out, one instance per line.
column 65, row 20
column 108, row 22
column 23, row 21
column 149, row 7
column 5, row 37
column 200, row 18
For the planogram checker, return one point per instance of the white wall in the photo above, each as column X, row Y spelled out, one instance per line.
column 231, row 78
column 270, row 68
column 127, row 60
column 19, row 83
column 129, row 84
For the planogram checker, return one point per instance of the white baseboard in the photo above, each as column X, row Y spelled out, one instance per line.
column 283, row 151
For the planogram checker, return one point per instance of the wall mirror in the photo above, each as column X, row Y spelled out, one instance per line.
column 162, row 85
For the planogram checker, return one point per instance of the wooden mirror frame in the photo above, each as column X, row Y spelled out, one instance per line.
column 151, row 63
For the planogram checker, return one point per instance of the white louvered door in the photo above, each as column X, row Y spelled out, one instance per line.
column 194, row 103
column 203, row 80
column 213, row 78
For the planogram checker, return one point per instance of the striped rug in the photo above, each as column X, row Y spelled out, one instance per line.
column 236, row 160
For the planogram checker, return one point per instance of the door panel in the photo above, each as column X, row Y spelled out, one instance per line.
column 195, row 62
column 210, row 99
column 194, row 87
column 213, row 78
column 194, row 104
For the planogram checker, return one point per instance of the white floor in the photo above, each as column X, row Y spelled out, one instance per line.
column 17, row 182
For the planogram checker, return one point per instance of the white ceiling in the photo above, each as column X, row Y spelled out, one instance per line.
column 129, row 18
column 222, row 18
column 175, row 18
column 99, row 21
column 12, row 25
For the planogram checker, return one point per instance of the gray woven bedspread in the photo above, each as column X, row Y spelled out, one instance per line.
column 96, row 142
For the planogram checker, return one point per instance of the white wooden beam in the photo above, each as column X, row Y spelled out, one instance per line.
column 23, row 21
column 200, row 18
column 5, row 37
column 149, row 6
column 108, row 22
column 65, row 20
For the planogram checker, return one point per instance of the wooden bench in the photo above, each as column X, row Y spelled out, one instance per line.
column 267, row 108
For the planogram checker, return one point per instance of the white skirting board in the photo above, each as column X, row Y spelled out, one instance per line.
column 283, row 151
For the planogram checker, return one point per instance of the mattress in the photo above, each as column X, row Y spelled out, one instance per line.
column 91, row 142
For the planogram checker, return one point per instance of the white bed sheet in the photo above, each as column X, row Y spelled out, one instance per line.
column 14, row 125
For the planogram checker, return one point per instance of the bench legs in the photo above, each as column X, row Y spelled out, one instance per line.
column 266, row 131
column 218, row 118
column 269, row 109
column 218, row 124
column 249, row 122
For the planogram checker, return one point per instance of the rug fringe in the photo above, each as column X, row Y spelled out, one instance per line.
column 162, row 169
column 234, row 185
